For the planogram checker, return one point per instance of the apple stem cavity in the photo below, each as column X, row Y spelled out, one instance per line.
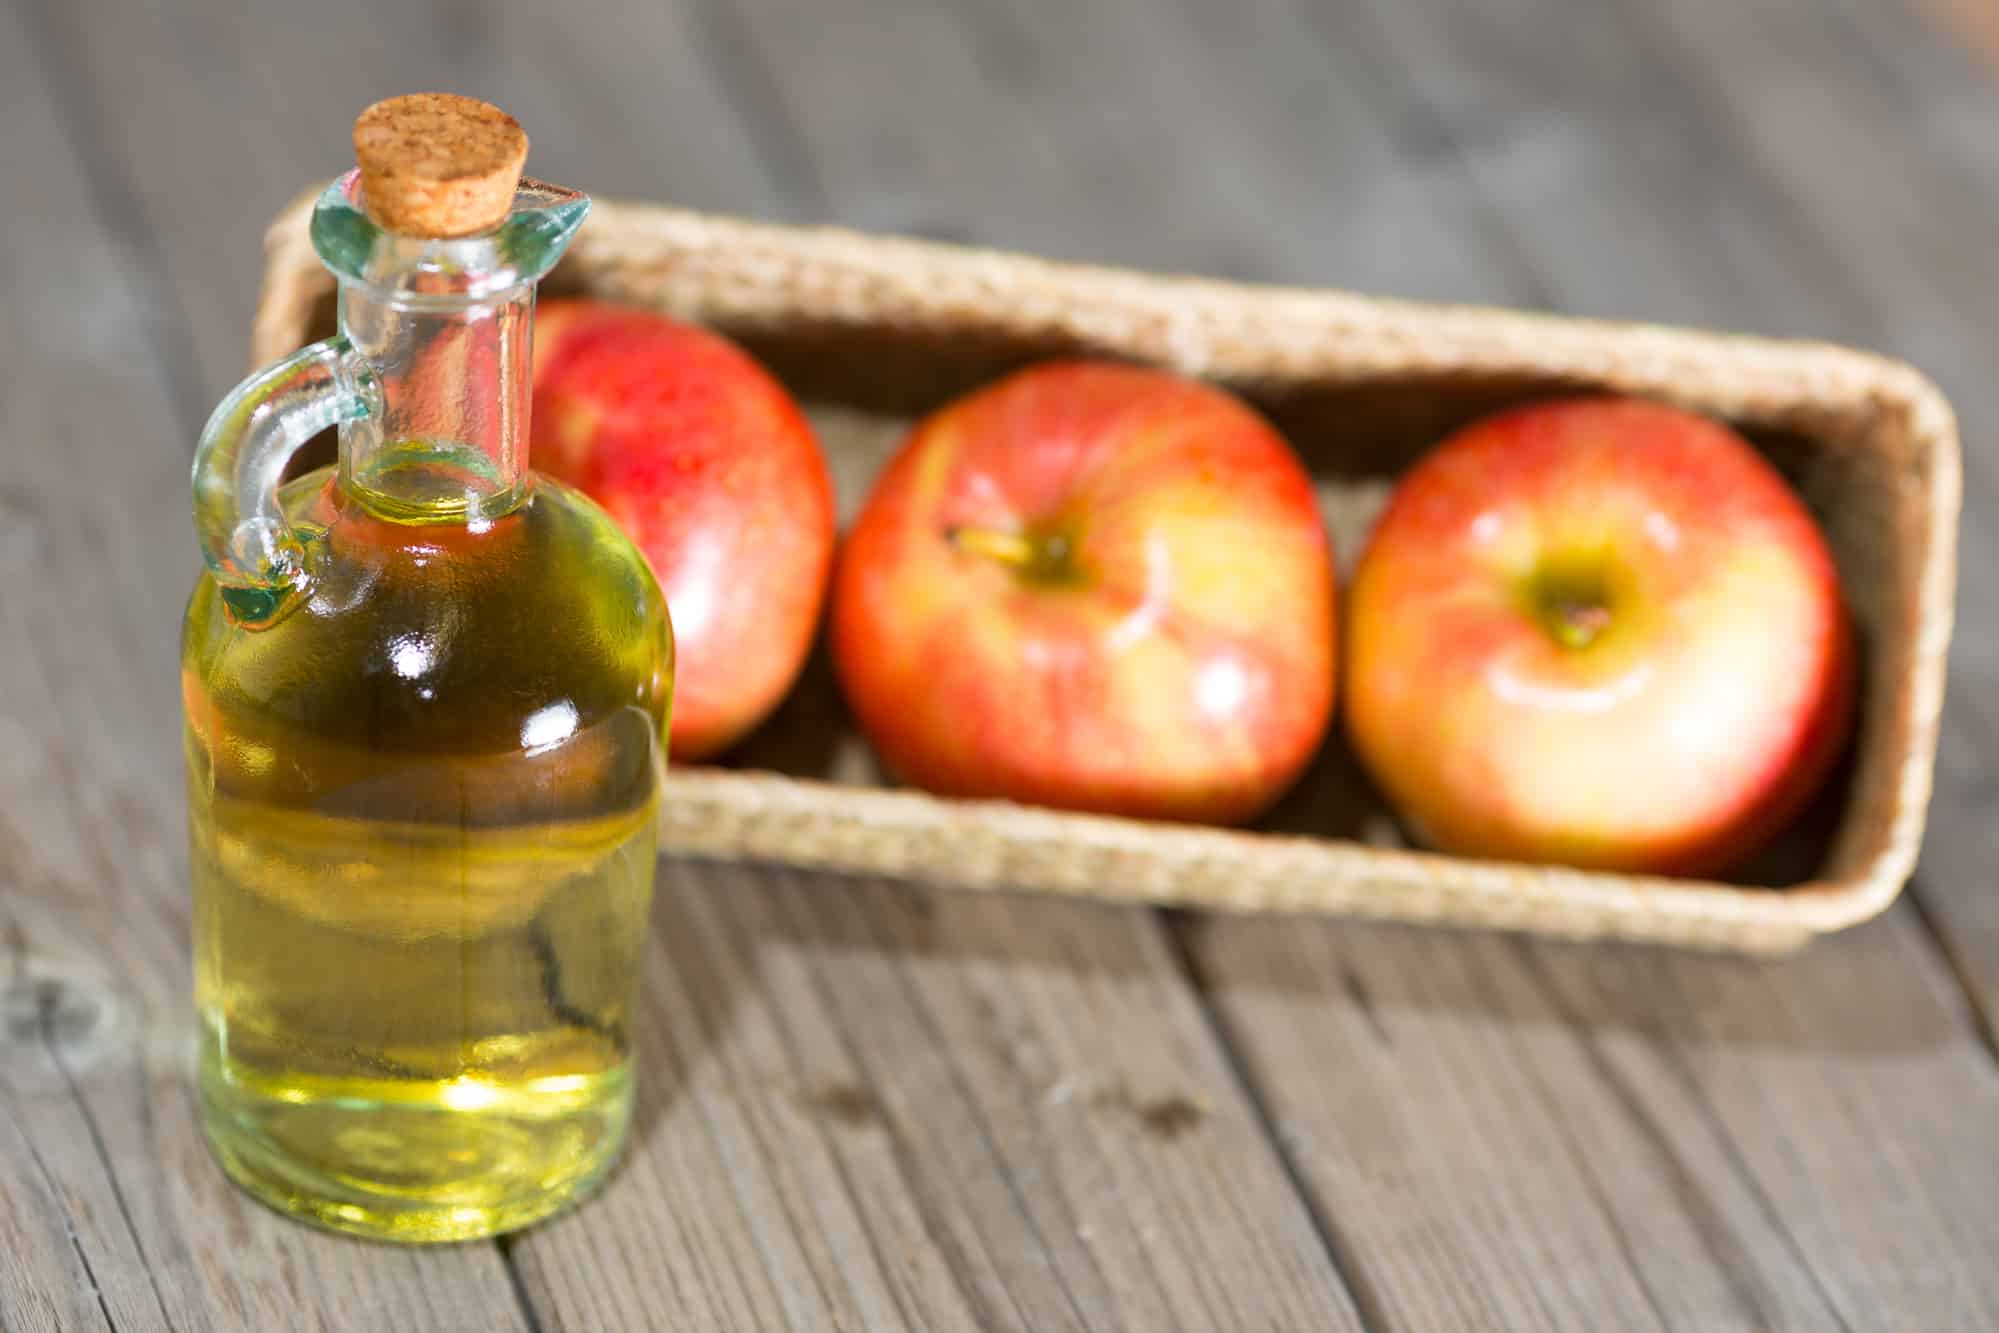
column 1572, row 606
column 1043, row 557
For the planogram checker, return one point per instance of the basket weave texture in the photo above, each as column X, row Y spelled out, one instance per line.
column 871, row 331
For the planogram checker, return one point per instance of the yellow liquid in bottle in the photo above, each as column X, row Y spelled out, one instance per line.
column 421, row 817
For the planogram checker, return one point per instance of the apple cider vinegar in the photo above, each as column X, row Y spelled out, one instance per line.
column 426, row 698
column 417, row 928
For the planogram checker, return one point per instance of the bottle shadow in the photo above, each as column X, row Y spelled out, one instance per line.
column 727, row 936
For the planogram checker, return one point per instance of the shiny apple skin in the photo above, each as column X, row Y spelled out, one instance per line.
column 1183, row 666
column 708, row 464
column 1710, row 703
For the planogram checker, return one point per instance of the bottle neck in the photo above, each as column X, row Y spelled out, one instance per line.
column 450, row 443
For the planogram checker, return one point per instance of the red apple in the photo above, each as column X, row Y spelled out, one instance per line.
column 704, row 459
column 1096, row 587
column 1600, row 632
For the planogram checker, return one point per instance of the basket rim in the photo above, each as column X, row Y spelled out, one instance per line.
column 1818, row 905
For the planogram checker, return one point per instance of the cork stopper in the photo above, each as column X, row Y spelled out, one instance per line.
column 436, row 164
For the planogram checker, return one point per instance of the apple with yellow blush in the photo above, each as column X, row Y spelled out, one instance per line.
column 1600, row 632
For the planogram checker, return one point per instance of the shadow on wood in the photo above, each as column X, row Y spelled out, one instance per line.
column 1710, row 1001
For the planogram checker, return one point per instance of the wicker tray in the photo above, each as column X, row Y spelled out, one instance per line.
column 871, row 331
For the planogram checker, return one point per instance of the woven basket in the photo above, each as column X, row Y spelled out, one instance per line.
column 872, row 331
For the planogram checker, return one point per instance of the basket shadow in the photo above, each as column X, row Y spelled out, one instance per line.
column 1861, row 992
column 748, row 942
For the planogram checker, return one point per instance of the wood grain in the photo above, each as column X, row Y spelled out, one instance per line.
column 823, row 1142
column 1826, row 171
column 1493, row 1166
column 203, row 133
column 1586, row 1159
column 873, row 1106
column 1850, row 1091
column 1874, row 142
column 113, row 1214
column 1477, row 1165
column 1541, row 1136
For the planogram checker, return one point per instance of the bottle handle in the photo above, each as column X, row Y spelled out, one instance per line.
column 259, row 561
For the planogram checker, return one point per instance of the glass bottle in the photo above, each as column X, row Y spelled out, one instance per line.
column 426, row 695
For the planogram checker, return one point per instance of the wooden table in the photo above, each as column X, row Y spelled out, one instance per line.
column 872, row 1107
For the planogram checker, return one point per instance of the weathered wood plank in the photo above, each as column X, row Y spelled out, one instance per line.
column 1788, row 1145
column 1533, row 1143
column 1523, row 1149
column 113, row 1214
column 885, row 1172
column 933, row 1112
column 822, row 1144
column 1869, row 144
column 1478, row 1166
column 1491, row 1210
column 1878, row 144
column 1108, row 132
column 1850, row 1091
column 1588, row 1245
column 212, row 124
column 1777, row 139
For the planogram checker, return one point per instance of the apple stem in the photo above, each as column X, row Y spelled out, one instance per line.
column 1009, row 548
column 1577, row 624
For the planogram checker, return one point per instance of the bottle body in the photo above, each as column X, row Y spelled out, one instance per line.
column 421, row 811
